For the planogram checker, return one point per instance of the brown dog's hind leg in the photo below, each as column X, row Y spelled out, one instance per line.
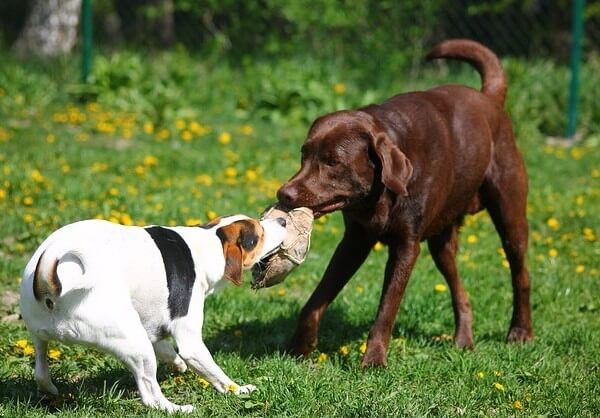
column 443, row 249
column 349, row 255
column 402, row 258
column 504, row 195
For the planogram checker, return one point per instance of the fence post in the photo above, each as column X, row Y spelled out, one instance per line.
column 86, row 31
column 576, row 32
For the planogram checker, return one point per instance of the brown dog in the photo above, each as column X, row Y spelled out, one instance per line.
column 409, row 170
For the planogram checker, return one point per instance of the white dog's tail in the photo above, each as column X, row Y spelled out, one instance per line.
column 47, row 285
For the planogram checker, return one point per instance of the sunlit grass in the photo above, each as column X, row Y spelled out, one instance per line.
column 61, row 161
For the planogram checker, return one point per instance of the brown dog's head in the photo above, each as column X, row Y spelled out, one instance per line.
column 344, row 156
column 246, row 241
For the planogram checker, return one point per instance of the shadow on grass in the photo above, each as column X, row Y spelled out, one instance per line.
column 260, row 339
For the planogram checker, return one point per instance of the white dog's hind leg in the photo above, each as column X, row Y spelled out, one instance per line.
column 42, row 372
column 120, row 332
column 165, row 352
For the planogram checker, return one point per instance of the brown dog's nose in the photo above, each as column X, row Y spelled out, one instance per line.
column 287, row 195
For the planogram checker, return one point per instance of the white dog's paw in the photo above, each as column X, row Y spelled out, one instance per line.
column 172, row 408
column 180, row 365
column 46, row 387
column 186, row 408
column 244, row 390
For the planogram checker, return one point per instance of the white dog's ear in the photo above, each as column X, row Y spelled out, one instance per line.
column 232, row 251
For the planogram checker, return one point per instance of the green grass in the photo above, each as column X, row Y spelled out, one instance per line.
column 63, row 161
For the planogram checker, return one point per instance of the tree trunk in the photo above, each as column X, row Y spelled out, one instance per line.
column 50, row 29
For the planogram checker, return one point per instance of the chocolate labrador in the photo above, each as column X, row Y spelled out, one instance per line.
column 409, row 170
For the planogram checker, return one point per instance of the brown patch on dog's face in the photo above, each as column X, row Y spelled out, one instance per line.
column 242, row 243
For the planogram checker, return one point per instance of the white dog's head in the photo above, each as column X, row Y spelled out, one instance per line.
column 246, row 241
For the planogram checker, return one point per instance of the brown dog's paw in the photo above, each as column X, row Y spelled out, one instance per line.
column 301, row 347
column 376, row 356
column 464, row 342
column 519, row 335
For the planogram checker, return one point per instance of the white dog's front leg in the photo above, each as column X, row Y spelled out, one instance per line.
column 197, row 356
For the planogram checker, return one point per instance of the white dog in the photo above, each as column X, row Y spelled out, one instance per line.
column 124, row 289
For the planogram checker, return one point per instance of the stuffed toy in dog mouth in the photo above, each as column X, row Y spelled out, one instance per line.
column 274, row 268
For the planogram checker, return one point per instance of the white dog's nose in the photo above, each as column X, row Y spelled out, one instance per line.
column 281, row 221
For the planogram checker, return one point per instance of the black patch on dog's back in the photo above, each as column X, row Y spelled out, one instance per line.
column 179, row 266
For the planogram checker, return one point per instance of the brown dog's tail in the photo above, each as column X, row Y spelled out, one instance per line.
column 486, row 62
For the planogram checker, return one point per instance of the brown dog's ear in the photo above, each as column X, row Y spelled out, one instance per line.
column 233, row 263
column 396, row 169
column 229, row 236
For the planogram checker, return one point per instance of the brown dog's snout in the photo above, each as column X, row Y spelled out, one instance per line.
column 287, row 195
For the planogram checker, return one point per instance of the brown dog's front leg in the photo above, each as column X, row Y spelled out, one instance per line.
column 400, row 263
column 350, row 253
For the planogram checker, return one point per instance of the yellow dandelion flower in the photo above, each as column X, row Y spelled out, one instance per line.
column 440, row 287
column 322, row 358
column 140, row 170
column 28, row 350
column 518, row 405
column 363, row 348
column 339, row 88
column 251, row 175
column 344, row 350
column 54, row 354
column 21, row 344
column 50, row 138
column 125, row 219
column 505, row 264
column 224, row 138
column 499, row 386
column 113, row 191
column 360, row 289
column 150, row 160
column 148, row 128
column 163, row 134
column 588, row 234
column 480, row 375
column 577, row 153
column 193, row 221
column 37, row 176
column 281, row 292
column 579, row 200
column 247, row 129
column 472, row 239
column 230, row 172
column 28, row 201
column 580, row 268
column 180, row 124
column 196, row 128
column 553, row 223
column 28, row 218
column 232, row 387
column 2, row 194
column 186, row 136
column 497, row 373
column 211, row 214
column 552, row 252
column 65, row 168
column 204, row 179
column 378, row 246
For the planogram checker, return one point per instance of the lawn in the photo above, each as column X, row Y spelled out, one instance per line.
column 171, row 139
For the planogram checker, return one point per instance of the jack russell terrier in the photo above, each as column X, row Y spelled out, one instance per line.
column 125, row 289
